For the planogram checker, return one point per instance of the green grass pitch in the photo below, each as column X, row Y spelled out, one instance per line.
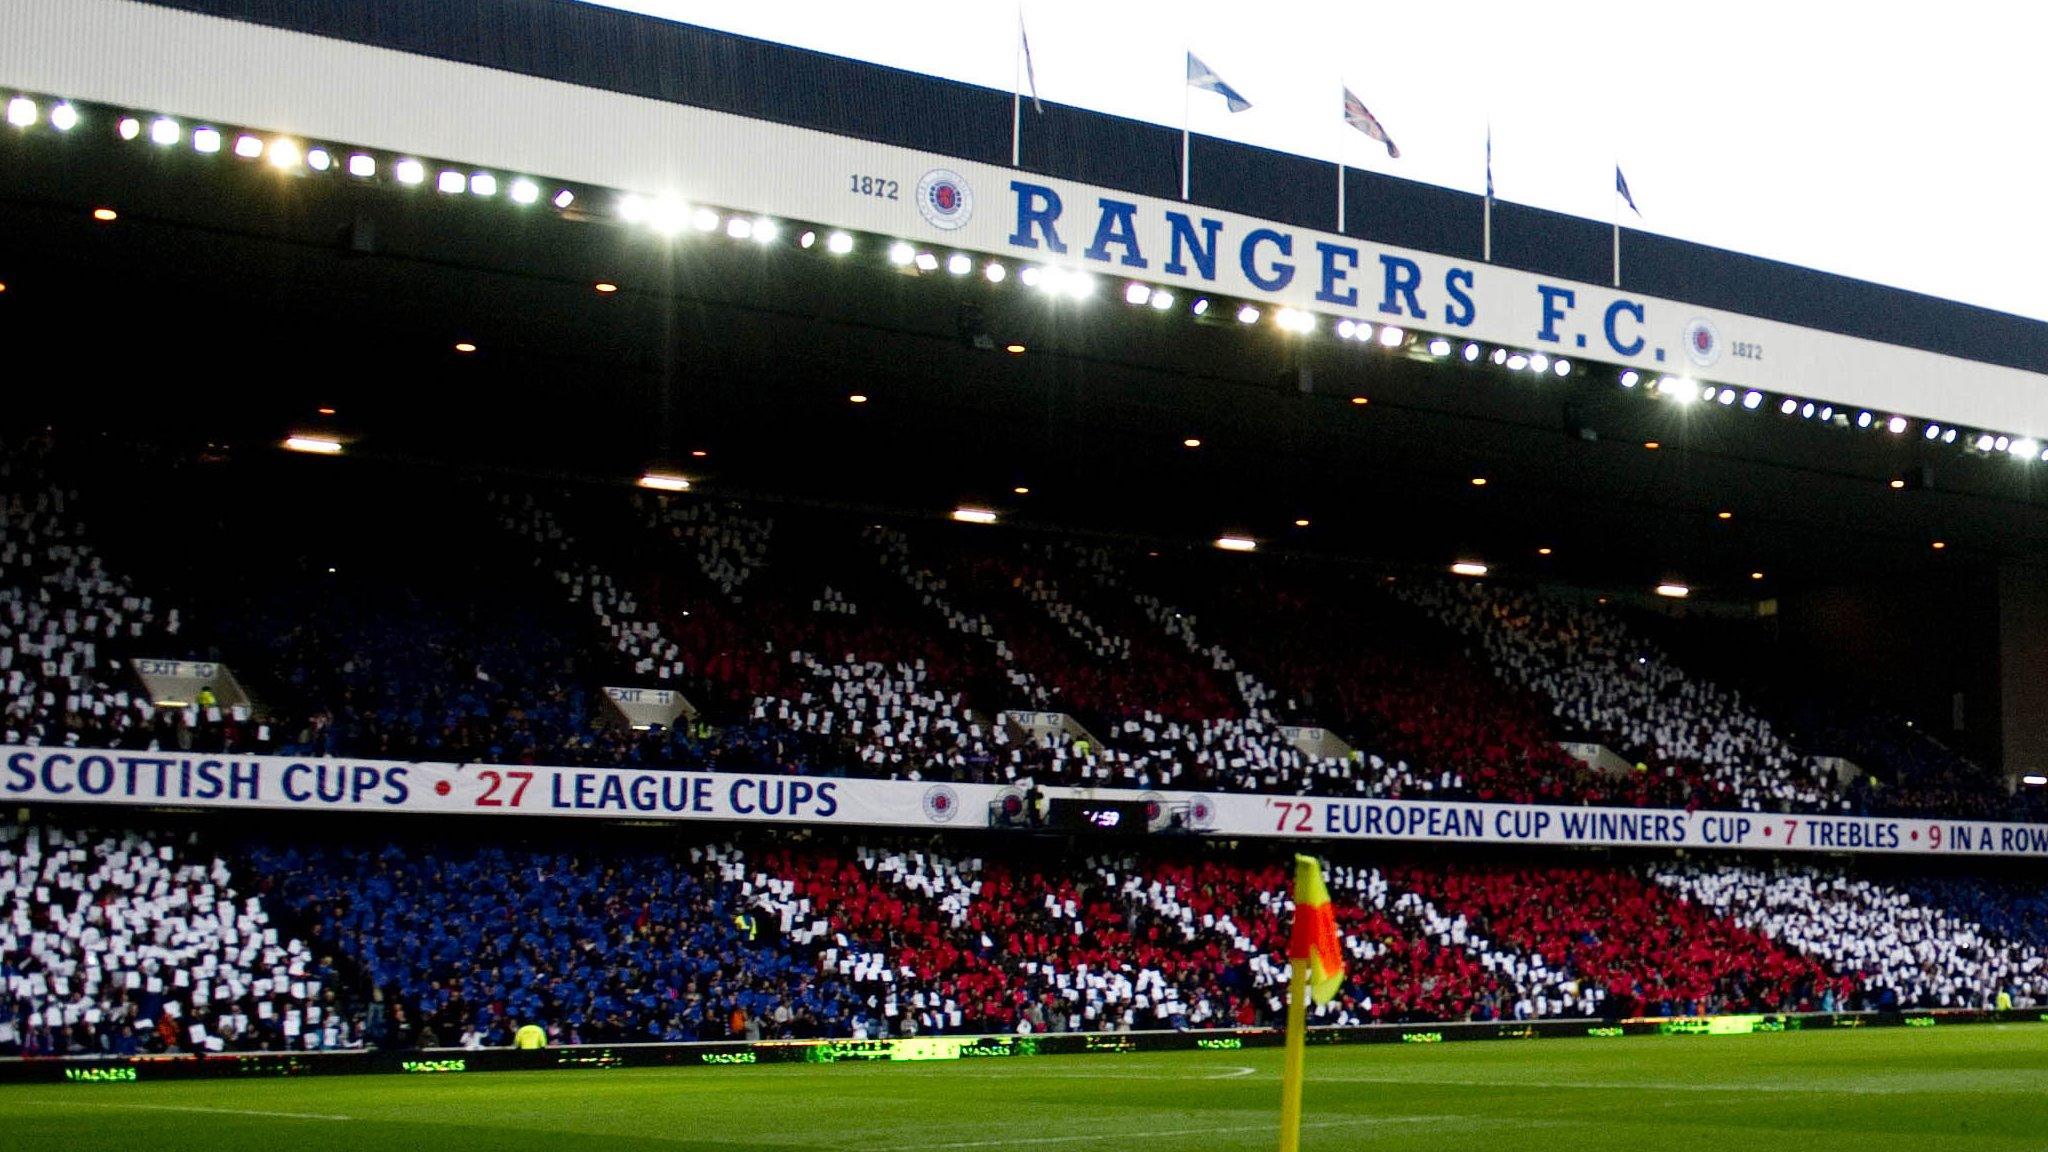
column 1961, row 1087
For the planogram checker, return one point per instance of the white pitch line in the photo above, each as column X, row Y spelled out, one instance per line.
column 1157, row 1134
column 1637, row 1085
column 198, row 1108
column 1233, row 1072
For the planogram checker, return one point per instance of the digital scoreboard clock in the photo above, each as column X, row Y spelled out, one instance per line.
column 1113, row 816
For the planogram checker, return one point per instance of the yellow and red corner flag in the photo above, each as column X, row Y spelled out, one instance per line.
column 1315, row 956
column 1315, row 938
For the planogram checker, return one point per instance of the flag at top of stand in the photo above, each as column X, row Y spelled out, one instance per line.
column 1030, row 73
column 1360, row 117
column 1621, row 186
column 1201, row 76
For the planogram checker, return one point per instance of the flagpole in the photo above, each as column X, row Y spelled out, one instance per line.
column 1184, row 92
column 1486, row 244
column 1291, row 1067
column 1017, row 91
column 1340, row 197
column 1616, row 201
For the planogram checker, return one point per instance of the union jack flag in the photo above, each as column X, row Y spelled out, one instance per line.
column 1358, row 116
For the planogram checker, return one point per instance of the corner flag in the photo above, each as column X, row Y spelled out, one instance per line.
column 1315, row 938
column 1316, row 967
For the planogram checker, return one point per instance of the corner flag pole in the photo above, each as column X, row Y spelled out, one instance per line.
column 1291, row 1068
column 1315, row 968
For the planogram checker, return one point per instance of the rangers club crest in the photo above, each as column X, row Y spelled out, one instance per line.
column 941, row 803
column 944, row 199
column 1157, row 817
column 1702, row 343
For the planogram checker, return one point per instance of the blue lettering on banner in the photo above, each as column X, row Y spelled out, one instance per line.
column 779, row 796
column 1556, row 302
column 1435, row 821
column 1634, row 827
column 1521, row 824
column 1333, row 275
column 2030, row 839
column 333, row 782
column 1038, row 210
column 1724, row 830
column 95, row 775
column 1118, row 226
column 1201, row 248
column 1403, row 277
column 1615, row 311
column 1248, row 255
column 1461, row 311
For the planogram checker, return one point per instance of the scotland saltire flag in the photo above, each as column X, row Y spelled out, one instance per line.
column 1489, row 164
column 1358, row 116
column 1621, row 186
column 1200, row 76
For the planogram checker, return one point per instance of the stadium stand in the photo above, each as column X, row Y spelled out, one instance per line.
column 2008, row 908
column 1352, row 659
column 121, row 943
column 67, row 623
column 813, row 642
column 604, row 946
column 1902, row 951
column 1653, row 954
column 1602, row 681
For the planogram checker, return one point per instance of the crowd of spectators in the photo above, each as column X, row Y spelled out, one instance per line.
column 933, row 592
column 68, row 625
column 1605, row 684
column 2014, row 909
column 601, row 946
column 123, row 944
column 1347, row 658
column 1651, row 953
column 802, row 658
column 1905, row 771
column 1901, row 952
column 1101, row 661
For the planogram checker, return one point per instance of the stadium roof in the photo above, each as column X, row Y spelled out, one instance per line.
column 636, row 55
column 230, row 303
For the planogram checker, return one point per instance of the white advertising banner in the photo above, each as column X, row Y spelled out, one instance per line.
column 84, row 776
column 157, row 59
